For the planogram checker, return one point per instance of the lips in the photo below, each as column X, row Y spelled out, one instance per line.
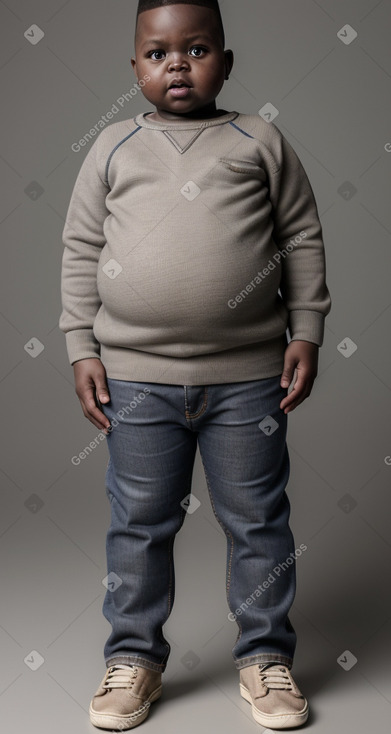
column 179, row 88
column 179, row 84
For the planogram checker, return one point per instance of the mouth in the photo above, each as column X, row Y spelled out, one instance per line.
column 179, row 88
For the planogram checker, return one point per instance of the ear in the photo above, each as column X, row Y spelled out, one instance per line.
column 134, row 66
column 229, row 60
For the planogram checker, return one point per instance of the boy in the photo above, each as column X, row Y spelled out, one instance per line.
column 192, row 243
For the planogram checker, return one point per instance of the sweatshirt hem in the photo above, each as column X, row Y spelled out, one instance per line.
column 253, row 362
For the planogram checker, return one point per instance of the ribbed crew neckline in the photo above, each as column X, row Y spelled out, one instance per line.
column 143, row 121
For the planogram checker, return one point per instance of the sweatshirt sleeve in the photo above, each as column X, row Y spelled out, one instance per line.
column 298, row 235
column 83, row 240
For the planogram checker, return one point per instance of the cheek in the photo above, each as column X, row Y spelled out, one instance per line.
column 212, row 83
column 152, row 86
column 210, row 77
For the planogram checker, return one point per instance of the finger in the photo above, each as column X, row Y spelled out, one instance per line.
column 301, row 384
column 288, row 372
column 97, row 418
column 294, row 403
column 100, row 425
column 295, row 397
column 91, row 410
column 102, row 391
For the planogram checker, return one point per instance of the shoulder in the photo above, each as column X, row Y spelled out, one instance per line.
column 114, row 134
column 258, row 128
column 269, row 138
column 108, row 141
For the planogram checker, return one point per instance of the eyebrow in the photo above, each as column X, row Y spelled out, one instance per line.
column 200, row 36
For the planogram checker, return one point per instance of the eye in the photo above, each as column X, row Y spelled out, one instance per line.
column 199, row 50
column 158, row 51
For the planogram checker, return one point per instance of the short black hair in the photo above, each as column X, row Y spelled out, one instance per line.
column 212, row 4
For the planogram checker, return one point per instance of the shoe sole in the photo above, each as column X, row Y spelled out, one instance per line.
column 274, row 721
column 120, row 722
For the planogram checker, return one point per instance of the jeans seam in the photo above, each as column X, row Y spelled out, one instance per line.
column 171, row 561
column 169, row 605
column 228, row 534
column 193, row 416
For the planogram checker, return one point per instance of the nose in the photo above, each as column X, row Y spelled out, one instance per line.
column 177, row 61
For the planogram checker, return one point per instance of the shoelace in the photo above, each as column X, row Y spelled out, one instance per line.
column 276, row 677
column 120, row 676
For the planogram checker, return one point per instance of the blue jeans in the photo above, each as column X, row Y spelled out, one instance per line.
column 152, row 444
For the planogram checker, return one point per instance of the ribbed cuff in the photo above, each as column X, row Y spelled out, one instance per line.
column 307, row 326
column 81, row 344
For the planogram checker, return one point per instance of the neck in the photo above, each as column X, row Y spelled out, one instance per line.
column 207, row 111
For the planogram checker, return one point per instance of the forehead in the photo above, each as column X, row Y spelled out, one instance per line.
column 170, row 21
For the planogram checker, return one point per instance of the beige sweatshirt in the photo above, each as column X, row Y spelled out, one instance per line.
column 190, row 248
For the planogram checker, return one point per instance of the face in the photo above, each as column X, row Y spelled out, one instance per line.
column 179, row 46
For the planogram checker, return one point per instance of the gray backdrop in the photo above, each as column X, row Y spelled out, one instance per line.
column 331, row 88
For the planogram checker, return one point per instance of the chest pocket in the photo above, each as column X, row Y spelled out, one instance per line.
column 244, row 170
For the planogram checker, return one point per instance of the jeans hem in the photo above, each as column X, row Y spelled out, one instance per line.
column 136, row 660
column 264, row 657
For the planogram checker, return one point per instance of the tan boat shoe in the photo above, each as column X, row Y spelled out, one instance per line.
column 275, row 699
column 124, row 696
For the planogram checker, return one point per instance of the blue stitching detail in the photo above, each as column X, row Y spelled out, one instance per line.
column 113, row 151
column 242, row 131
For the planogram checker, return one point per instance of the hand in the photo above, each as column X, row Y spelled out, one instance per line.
column 301, row 356
column 90, row 381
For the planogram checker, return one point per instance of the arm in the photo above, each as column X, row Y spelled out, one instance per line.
column 303, row 287
column 83, row 238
